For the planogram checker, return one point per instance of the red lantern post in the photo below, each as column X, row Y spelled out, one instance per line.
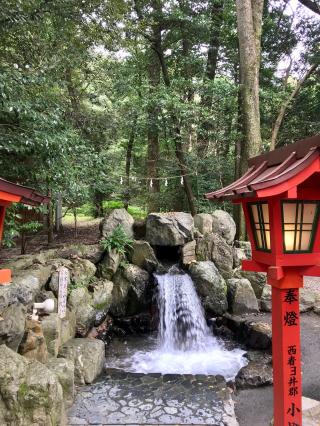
column 280, row 197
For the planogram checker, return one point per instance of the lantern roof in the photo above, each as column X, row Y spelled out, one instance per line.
column 274, row 172
column 22, row 194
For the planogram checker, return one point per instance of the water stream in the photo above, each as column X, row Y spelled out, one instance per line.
column 185, row 344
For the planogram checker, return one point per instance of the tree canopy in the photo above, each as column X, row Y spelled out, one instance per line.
column 142, row 100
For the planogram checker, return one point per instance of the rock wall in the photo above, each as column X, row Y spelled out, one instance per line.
column 110, row 293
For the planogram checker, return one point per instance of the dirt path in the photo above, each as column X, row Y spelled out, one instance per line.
column 88, row 233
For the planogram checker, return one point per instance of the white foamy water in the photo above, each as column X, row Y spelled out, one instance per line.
column 185, row 343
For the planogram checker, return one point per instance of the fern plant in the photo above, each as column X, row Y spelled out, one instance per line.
column 118, row 241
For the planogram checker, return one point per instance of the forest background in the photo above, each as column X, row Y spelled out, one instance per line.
column 151, row 103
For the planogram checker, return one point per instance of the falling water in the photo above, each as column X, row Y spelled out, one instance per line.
column 182, row 323
column 185, row 343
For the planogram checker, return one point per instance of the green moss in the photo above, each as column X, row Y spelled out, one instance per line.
column 100, row 306
column 23, row 389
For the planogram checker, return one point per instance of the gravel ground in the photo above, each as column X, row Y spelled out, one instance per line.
column 313, row 283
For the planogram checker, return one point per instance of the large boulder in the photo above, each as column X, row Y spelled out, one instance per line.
column 307, row 299
column 241, row 297
column 64, row 370
column 239, row 255
column 210, row 286
column 265, row 301
column 88, row 356
column 82, row 271
column 258, row 371
column 12, row 324
column 34, row 344
column 80, row 302
column 142, row 255
column 129, row 295
column 224, row 225
column 102, row 295
column 91, row 252
column 54, row 280
column 109, row 264
column 113, row 219
column 188, row 253
column 214, row 248
column 25, row 286
column 258, row 281
column 57, row 331
column 258, row 335
column 28, row 261
column 169, row 229
column 51, row 328
column 203, row 222
column 30, row 394
column 68, row 326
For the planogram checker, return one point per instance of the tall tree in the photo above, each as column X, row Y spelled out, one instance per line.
column 249, row 20
column 285, row 105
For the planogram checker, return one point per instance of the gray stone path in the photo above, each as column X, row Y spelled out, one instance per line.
column 152, row 399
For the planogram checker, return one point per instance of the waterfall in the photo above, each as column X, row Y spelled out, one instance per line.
column 185, row 344
column 182, row 323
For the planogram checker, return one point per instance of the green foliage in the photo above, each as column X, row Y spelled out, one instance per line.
column 76, row 284
column 118, row 241
column 15, row 226
column 75, row 86
column 135, row 211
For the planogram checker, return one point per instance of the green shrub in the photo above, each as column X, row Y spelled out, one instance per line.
column 118, row 241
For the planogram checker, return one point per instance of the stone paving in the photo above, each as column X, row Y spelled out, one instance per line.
column 121, row 398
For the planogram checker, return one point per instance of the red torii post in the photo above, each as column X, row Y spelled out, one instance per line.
column 14, row 193
column 280, row 197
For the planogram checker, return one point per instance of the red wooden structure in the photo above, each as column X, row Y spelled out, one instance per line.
column 14, row 193
column 280, row 197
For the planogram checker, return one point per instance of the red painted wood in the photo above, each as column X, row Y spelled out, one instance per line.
column 286, row 357
column 251, row 265
column 249, row 229
column 6, row 196
column 288, row 184
column 291, row 279
column 275, row 227
column 5, row 276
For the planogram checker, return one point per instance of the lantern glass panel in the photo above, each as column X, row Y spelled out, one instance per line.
column 298, row 225
column 259, row 213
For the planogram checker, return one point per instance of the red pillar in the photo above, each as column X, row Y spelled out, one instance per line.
column 5, row 274
column 286, row 352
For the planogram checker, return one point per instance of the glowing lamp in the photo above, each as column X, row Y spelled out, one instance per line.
column 299, row 225
column 280, row 197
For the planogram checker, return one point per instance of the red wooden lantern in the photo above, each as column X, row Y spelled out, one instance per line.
column 14, row 193
column 280, row 197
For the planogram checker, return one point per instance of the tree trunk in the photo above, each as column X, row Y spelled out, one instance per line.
column 210, row 73
column 128, row 162
column 58, row 214
column 249, row 20
column 157, row 46
column 75, row 216
column 154, row 72
column 286, row 104
column 98, row 198
column 184, row 172
column 23, row 248
column 50, row 222
column 237, row 209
